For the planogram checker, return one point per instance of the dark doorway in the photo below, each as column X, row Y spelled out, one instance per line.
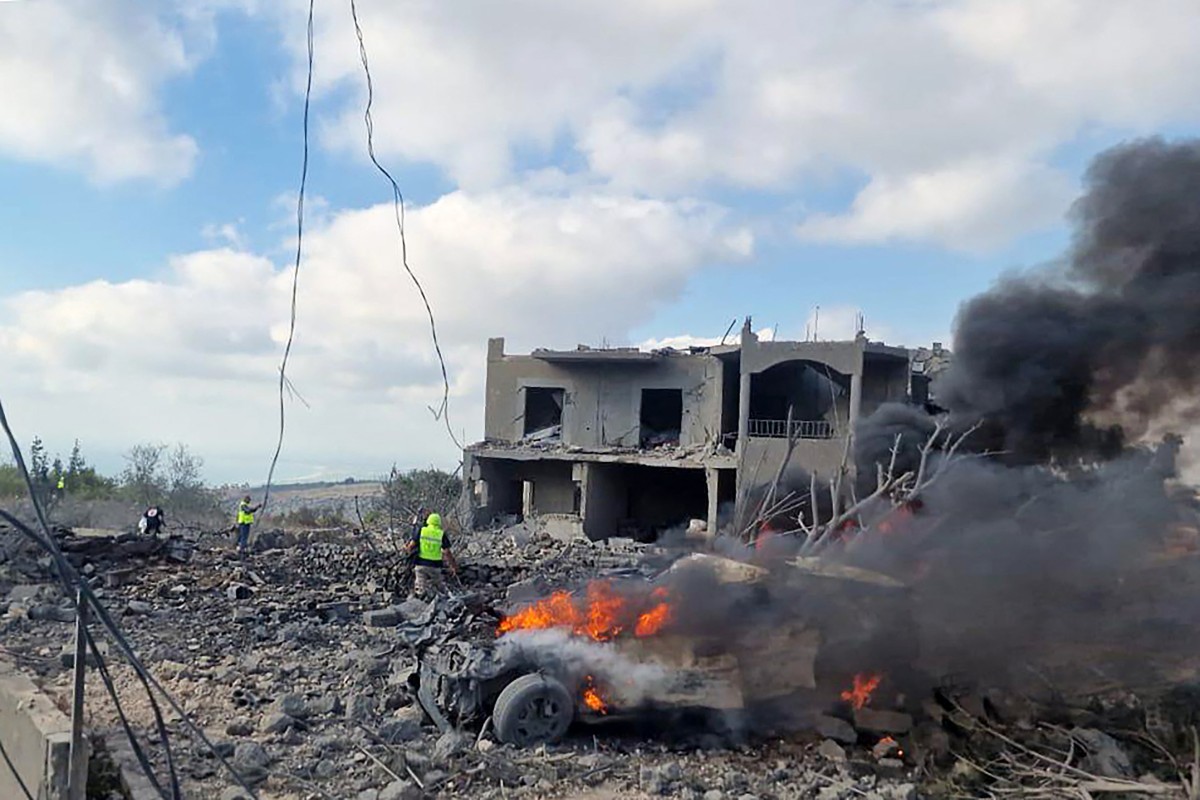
column 543, row 409
column 662, row 498
column 661, row 416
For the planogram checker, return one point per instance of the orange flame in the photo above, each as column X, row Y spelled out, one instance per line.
column 653, row 620
column 864, row 686
column 592, row 698
column 601, row 614
column 556, row 611
column 604, row 609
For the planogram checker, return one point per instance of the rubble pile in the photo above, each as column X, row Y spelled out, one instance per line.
column 300, row 664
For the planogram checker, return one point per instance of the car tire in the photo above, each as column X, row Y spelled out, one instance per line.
column 532, row 710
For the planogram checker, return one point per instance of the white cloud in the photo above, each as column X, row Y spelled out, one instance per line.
column 972, row 206
column 193, row 356
column 667, row 96
column 81, row 85
column 225, row 233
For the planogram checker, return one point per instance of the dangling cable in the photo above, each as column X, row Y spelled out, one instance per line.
column 287, row 350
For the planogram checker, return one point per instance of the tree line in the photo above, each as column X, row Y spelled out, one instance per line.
column 153, row 473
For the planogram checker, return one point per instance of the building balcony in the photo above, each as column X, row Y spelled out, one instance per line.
column 801, row 429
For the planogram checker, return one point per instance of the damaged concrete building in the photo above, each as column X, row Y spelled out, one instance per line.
column 617, row 441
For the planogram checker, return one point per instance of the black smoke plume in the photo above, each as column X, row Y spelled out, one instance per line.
column 1071, row 360
column 1079, row 373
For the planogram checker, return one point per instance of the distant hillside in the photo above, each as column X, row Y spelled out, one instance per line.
column 319, row 495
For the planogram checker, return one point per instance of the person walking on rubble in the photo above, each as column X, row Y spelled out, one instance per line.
column 152, row 520
column 430, row 547
column 245, row 518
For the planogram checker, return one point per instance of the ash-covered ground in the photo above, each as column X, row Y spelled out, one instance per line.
column 274, row 658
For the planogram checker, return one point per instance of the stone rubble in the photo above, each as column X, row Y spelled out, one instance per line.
column 297, row 663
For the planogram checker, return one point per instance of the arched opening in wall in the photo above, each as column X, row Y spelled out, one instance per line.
column 818, row 396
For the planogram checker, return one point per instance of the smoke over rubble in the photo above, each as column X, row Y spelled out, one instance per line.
column 1035, row 547
column 1072, row 359
column 1042, row 538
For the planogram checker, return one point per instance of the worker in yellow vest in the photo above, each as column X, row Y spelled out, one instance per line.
column 430, row 549
column 245, row 518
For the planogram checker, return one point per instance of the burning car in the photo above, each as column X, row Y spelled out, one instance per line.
column 710, row 636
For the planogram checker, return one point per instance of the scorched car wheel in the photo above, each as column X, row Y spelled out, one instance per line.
column 532, row 710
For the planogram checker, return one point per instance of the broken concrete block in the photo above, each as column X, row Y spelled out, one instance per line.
column 338, row 611
column 886, row 747
column 238, row 728
column 277, row 722
column 67, row 656
column 114, row 578
column 180, row 552
column 24, row 593
column 140, row 607
column 526, row 590
column 415, row 610
column 400, row 790
column 837, row 729
column 252, row 760
column 1105, row 756
column 877, row 721
column 403, row 726
column 326, row 704
column 359, row 707
column 832, row 751
column 449, row 745
column 293, row 705
column 382, row 617
column 49, row 613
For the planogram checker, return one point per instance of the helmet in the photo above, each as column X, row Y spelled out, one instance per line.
column 434, row 521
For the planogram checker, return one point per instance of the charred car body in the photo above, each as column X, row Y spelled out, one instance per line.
column 740, row 641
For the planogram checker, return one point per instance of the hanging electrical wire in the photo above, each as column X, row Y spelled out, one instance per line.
column 75, row 586
column 284, row 383
column 443, row 411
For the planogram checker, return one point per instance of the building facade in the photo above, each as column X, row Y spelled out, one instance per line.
column 617, row 441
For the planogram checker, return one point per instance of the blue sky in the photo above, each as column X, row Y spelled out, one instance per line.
column 619, row 171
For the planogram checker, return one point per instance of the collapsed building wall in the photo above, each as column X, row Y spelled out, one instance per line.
column 606, row 397
column 635, row 443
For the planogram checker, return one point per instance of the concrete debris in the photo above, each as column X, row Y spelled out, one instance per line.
column 836, row 729
column 382, row 617
column 880, row 721
column 1105, row 756
column 277, row 722
column 832, row 751
column 316, row 674
column 51, row 613
column 400, row 790
column 140, row 607
column 239, row 728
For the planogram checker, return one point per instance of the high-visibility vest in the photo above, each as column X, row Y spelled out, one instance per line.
column 62, row 483
column 245, row 517
column 431, row 544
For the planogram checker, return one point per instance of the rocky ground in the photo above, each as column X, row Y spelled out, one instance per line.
column 297, row 666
